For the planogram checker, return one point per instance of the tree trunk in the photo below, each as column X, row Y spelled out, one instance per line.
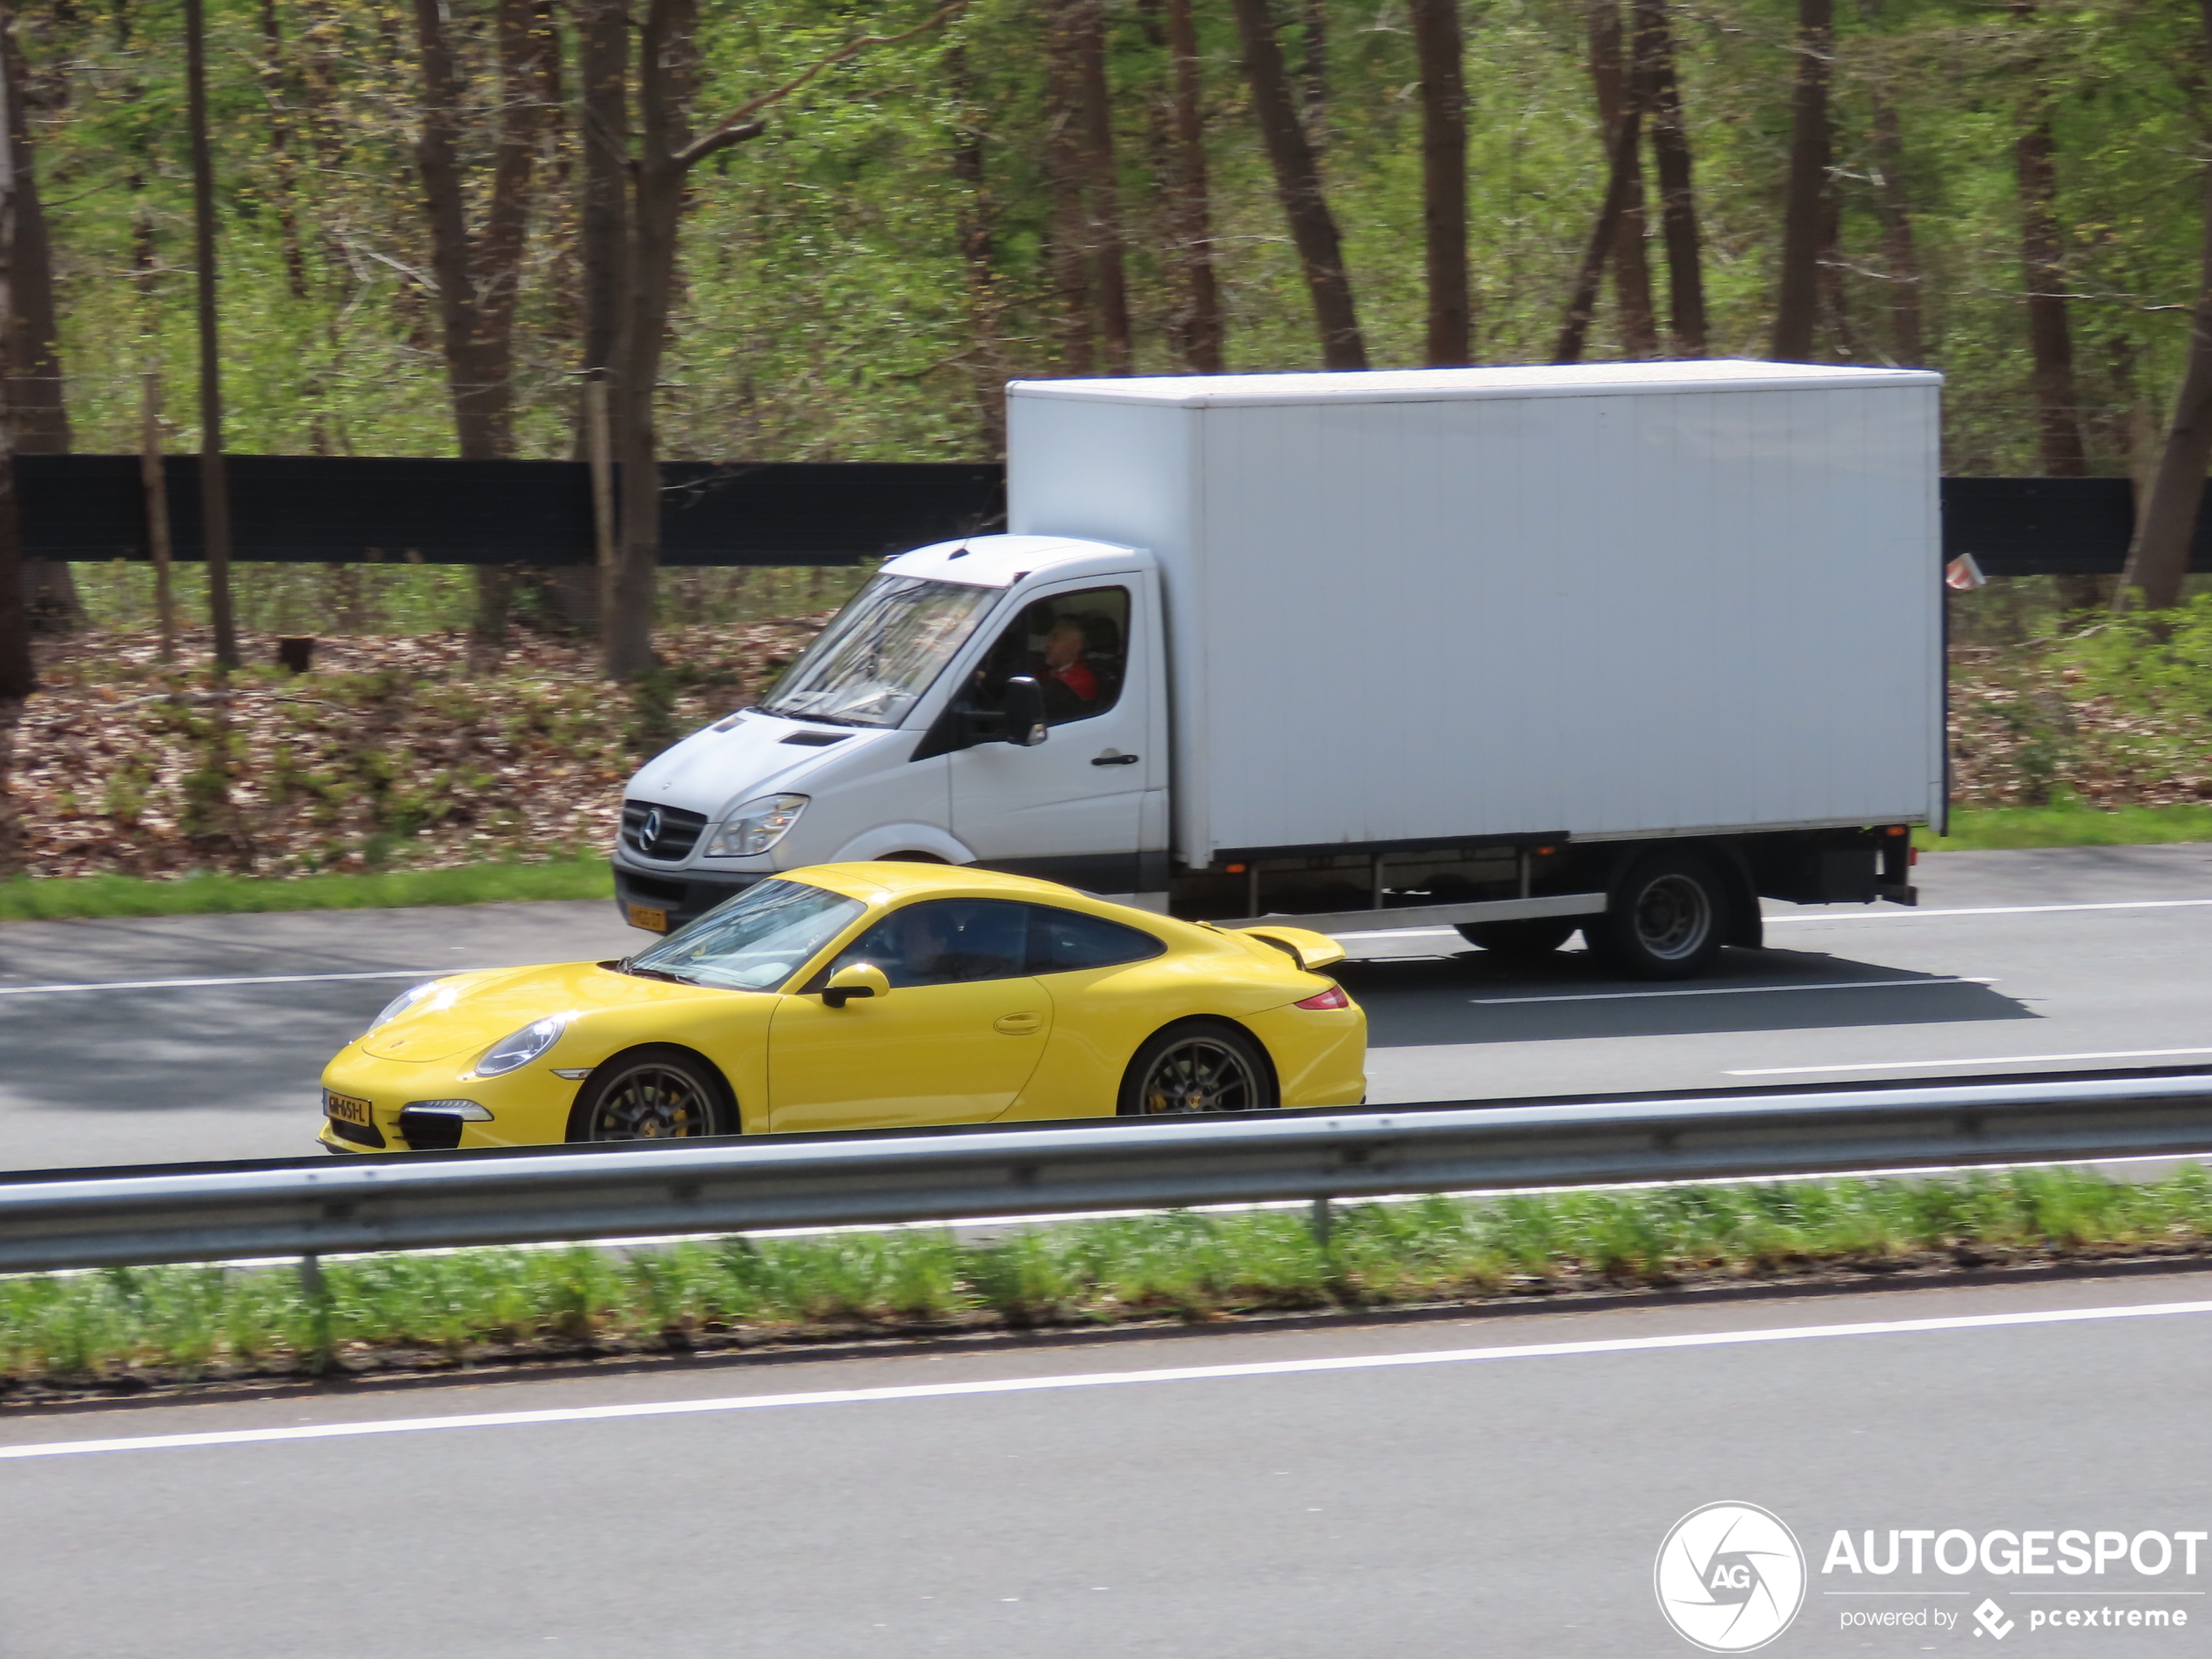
column 284, row 167
column 37, row 410
column 1581, row 304
column 18, row 677
column 1654, row 59
column 1797, row 302
column 2166, row 528
column 1898, row 252
column 987, row 357
column 1068, row 235
column 1441, row 54
column 1203, row 334
column 2058, row 403
column 1298, row 184
column 1617, row 89
column 1101, row 186
column 215, row 481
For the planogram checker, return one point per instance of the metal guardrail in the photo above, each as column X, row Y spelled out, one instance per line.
column 421, row 1200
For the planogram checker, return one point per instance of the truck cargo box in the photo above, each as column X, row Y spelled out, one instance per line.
column 1607, row 601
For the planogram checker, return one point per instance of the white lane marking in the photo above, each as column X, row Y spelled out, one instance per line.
column 1729, row 990
column 1901, row 912
column 1102, row 1379
column 1987, row 1060
column 1888, row 912
column 259, row 979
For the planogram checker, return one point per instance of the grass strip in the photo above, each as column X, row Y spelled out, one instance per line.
column 1989, row 828
column 133, row 1327
column 57, row 897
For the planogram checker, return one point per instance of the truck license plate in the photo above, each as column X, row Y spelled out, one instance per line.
column 345, row 1108
column 647, row 916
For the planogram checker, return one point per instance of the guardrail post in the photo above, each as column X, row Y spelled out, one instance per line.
column 1324, row 1221
column 311, row 1279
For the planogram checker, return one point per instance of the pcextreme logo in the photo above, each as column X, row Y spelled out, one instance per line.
column 1730, row 1577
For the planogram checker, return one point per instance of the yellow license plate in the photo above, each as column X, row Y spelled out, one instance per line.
column 345, row 1108
column 647, row 916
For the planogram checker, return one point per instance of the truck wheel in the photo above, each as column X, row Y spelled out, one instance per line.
column 1200, row 1066
column 1523, row 940
column 1665, row 920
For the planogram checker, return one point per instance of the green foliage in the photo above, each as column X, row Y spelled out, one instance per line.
column 56, row 898
column 454, row 1306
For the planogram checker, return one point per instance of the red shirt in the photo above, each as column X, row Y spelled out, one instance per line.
column 1078, row 677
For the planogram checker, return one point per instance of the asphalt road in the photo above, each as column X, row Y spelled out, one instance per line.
column 2015, row 962
column 1289, row 1493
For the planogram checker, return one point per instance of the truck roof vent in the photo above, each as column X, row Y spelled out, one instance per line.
column 816, row 740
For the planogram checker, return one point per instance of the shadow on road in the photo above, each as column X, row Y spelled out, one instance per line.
column 1470, row 997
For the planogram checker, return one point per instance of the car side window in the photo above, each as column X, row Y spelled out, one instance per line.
column 945, row 941
column 1062, row 942
column 1075, row 645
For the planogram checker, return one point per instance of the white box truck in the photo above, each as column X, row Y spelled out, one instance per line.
column 1613, row 647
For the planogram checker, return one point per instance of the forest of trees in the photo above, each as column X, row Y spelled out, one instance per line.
column 831, row 229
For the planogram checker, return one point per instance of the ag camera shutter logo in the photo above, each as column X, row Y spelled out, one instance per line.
column 1730, row 1577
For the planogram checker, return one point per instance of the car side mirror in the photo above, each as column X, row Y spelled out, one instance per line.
column 1024, row 705
column 855, row 978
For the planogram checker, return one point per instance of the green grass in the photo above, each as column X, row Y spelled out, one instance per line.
column 1984, row 828
column 183, row 1322
column 46, row 899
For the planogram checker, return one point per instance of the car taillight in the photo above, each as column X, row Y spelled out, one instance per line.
column 1331, row 998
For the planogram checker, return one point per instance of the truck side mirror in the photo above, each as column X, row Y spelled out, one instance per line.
column 1024, row 705
column 855, row 978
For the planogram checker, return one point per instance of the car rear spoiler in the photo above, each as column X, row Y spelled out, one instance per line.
column 1311, row 951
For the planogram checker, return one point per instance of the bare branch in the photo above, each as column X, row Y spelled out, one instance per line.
column 730, row 129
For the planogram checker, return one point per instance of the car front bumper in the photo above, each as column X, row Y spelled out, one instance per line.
column 674, row 896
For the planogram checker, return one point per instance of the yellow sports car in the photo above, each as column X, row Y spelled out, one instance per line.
column 853, row 996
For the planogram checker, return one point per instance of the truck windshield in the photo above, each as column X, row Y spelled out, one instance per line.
column 880, row 654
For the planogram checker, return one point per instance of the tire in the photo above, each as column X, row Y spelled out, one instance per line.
column 1523, row 940
column 660, row 1093
column 1199, row 1066
column 1666, row 919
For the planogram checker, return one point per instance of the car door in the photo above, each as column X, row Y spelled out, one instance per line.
column 1071, row 808
column 954, row 1042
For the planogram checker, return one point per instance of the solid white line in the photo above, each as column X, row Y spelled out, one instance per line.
column 1099, row 1380
column 1728, row 990
column 1989, row 1059
column 259, row 979
column 1901, row 912
column 1886, row 913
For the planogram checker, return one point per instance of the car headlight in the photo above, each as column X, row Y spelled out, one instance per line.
column 520, row 1047
column 402, row 1003
column 755, row 826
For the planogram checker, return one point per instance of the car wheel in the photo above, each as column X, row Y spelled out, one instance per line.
column 1539, row 937
column 1205, row 1066
column 1665, row 921
column 655, row 1094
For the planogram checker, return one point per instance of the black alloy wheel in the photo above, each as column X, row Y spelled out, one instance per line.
column 655, row 1094
column 1186, row 1069
column 1665, row 921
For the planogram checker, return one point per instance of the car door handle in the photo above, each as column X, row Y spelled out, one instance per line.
column 1111, row 759
column 1018, row 1025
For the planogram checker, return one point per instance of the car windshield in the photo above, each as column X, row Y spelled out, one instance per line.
column 880, row 654
column 754, row 941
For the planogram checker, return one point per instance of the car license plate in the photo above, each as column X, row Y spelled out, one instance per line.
column 346, row 1108
column 647, row 916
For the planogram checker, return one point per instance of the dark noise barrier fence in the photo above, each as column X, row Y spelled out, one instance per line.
column 345, row 509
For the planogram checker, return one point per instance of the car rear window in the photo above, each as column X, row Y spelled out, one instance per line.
column 1062, row 942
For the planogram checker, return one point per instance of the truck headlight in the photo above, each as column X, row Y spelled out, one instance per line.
column 755, row 826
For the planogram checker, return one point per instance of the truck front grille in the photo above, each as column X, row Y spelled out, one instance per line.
column 674, row 832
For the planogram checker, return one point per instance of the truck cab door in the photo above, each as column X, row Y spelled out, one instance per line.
column 1071, row 808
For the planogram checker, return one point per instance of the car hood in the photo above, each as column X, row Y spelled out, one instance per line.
column 715, row 769
column 472, row 1011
